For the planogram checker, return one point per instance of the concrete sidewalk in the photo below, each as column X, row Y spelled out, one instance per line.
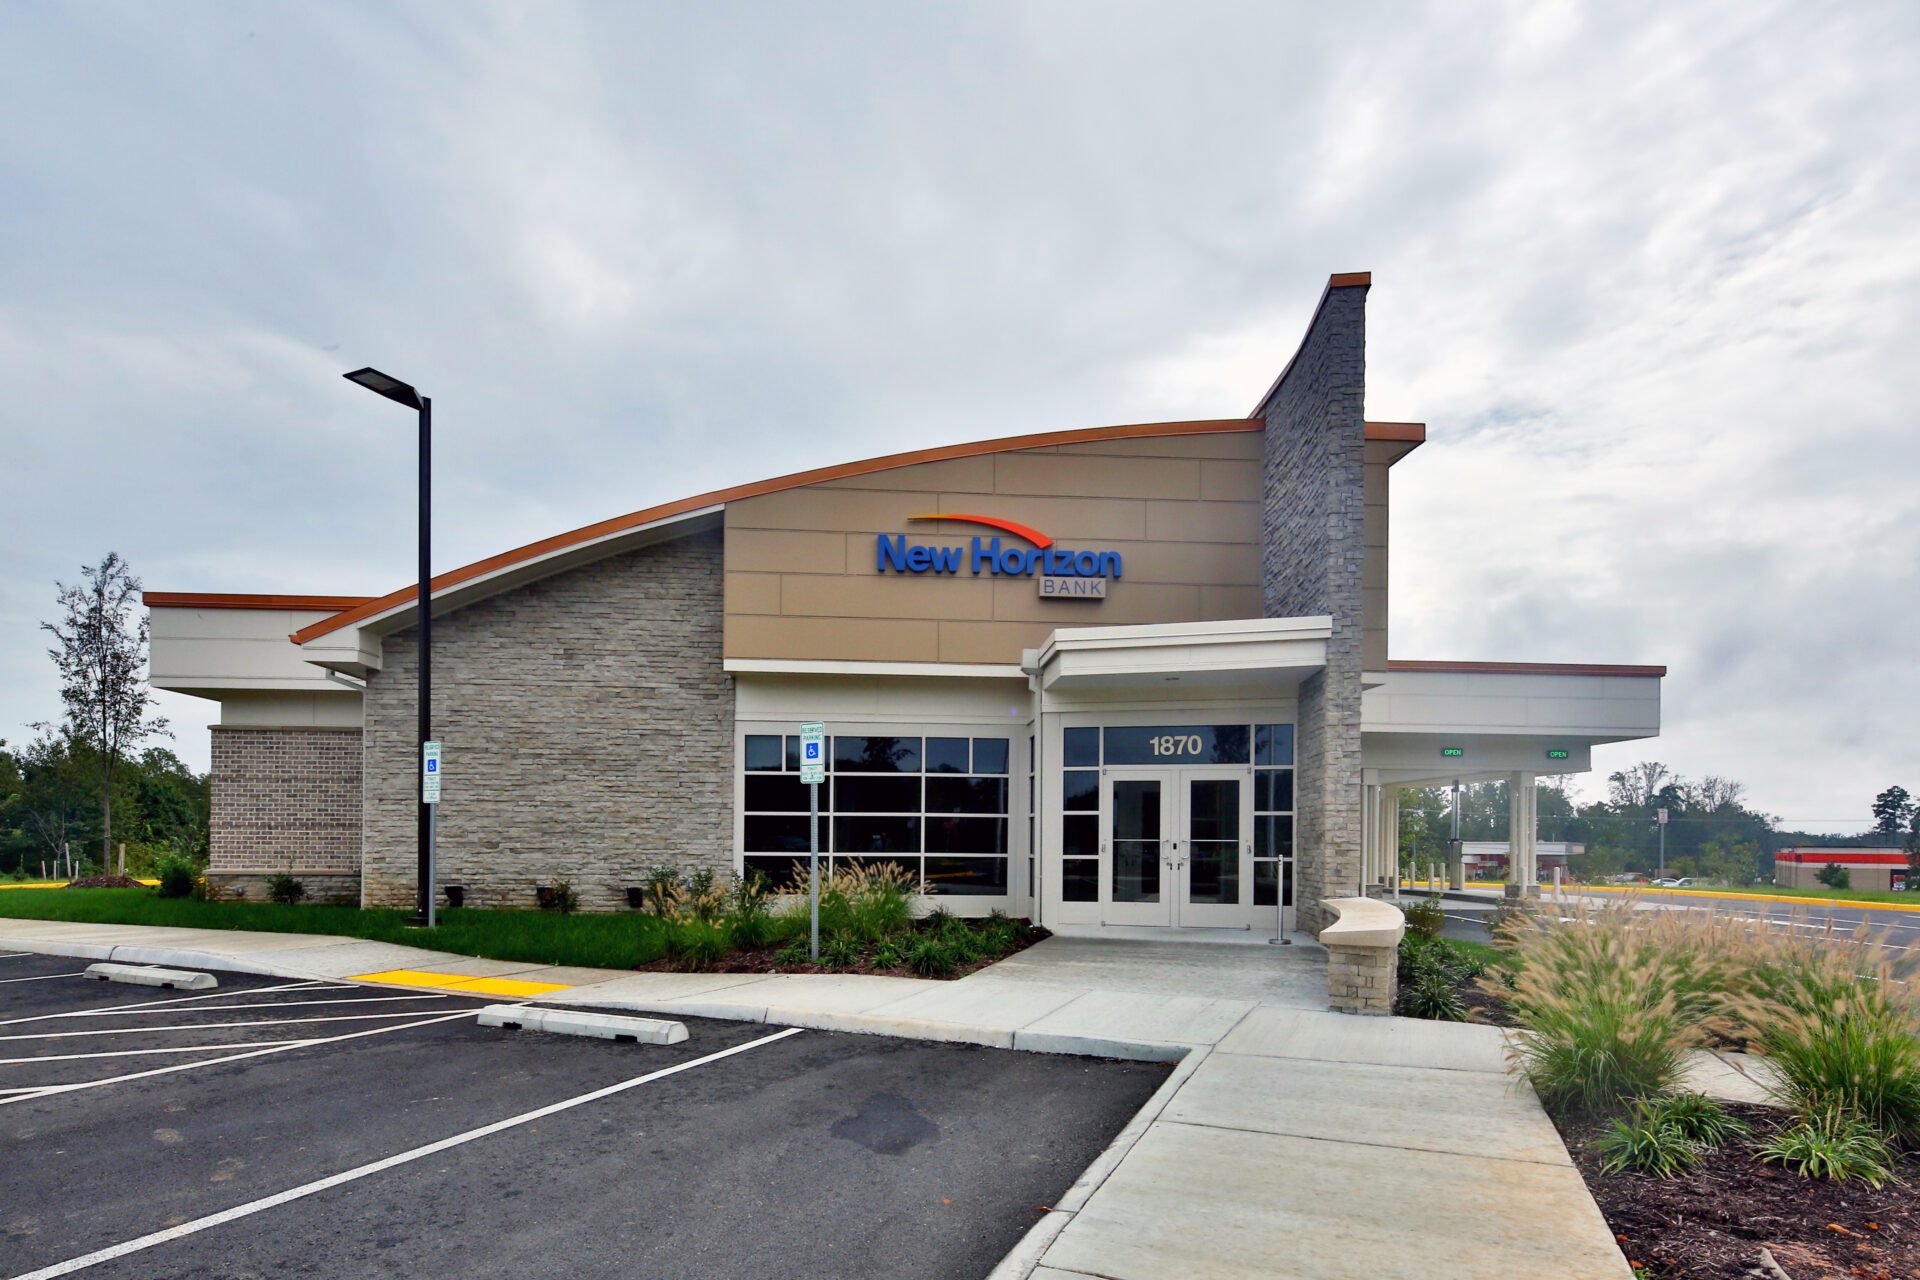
column 1313, row 1144
column 1289, row 1141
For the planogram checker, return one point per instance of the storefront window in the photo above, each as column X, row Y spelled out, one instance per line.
column 1273, row 815
column 937, row 807
column 1080, row 817
column 1033, row 845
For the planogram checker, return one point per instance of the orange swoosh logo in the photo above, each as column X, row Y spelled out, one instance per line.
column 1034, row 536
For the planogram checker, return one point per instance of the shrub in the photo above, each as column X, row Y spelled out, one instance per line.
column 839, row 950
column 1649, row 1142
column 1433, row 994
column 1609, row 1003
column 285, row 890
column 931, row 956
column 1426, row 919
column 1832, row 1144
column 660, row 888
column 560, row 897
column 747, row 916
column 1699, row 1118
column 867, row 903
column 697, row 944
column 176, row 874
column 1835, row 876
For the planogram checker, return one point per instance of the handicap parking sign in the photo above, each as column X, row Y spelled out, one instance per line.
column 430, row 772
column 813, row 752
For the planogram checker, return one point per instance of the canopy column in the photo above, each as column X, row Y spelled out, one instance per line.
column 1523, row 816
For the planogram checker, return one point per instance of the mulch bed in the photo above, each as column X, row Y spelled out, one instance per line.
column 1715, row 1220
column 766, row 960
column 105, row 882
column 1482, row 1007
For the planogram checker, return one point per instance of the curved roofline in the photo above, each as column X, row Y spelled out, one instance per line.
column 1408, row 433
column 799, row 479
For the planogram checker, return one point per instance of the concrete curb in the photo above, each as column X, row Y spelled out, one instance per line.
column 1024, row 1258
column 572, row 1022
column 988, row 1036
column 141, row 975
column 172, row 956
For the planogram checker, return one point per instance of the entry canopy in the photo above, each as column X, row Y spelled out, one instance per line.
column 1250, row 651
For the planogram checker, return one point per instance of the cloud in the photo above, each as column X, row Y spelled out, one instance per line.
column 1649, row 273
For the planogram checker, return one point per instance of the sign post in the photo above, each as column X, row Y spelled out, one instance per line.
column 1662, row 820
column 813, row 771
column 430, row 796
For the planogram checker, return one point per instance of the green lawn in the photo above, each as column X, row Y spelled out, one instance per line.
column 1478, row 951
column 595, row 941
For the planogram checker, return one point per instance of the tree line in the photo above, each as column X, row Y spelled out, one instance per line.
column 50, row 807
column 1712, row 833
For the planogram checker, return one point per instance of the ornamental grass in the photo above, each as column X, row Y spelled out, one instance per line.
column 1838, row 1015
column 1610, row 1000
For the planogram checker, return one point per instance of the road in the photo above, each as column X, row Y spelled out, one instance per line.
column 1902, row 927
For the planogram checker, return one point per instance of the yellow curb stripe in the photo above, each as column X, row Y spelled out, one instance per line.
column 460, row 982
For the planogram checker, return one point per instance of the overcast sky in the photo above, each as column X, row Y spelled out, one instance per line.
column 1651, row 274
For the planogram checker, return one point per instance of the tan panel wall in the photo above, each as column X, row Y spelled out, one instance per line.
column 1373, row 573
column 803, row 582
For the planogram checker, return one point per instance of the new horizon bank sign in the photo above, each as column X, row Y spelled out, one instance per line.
column 1062, row 573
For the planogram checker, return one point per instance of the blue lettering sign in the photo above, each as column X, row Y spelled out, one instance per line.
column 892, row 553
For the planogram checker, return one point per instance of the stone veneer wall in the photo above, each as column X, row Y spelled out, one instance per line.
column 1314, row 526
column 588, row 731
column 285, row 800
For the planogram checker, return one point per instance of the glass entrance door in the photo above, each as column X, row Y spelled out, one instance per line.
column 1139, row 813
column 1214, row 858
column 1177, row 847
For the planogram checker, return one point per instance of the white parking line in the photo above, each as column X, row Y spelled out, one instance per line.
column 264, row 1004
column 236, row 1057
column 78, row 973
column 15, row 955
column 134, row 1053
column 380, row 1166
column 212, row 1026
column 148, row 1004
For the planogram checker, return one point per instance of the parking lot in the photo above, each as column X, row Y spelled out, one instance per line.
column 278, row 1128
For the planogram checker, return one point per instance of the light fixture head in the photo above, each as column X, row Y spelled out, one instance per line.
column 392, row 388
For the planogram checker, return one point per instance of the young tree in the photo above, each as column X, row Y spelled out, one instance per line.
column 101, row 652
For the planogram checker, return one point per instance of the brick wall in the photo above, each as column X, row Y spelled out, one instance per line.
column 588, row 731
column 286, row 799
column 1314, row 526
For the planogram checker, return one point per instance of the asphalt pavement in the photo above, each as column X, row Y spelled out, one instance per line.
column 278, row 1128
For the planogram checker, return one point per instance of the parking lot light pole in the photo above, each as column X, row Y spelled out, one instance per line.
column 401, row 393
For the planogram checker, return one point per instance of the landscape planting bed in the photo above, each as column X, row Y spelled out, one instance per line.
column 1714, row 1221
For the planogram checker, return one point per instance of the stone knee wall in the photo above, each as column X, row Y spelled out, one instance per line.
column 285, row 800
column 1314, row 562
column 1362, row 979
column 587, row 726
